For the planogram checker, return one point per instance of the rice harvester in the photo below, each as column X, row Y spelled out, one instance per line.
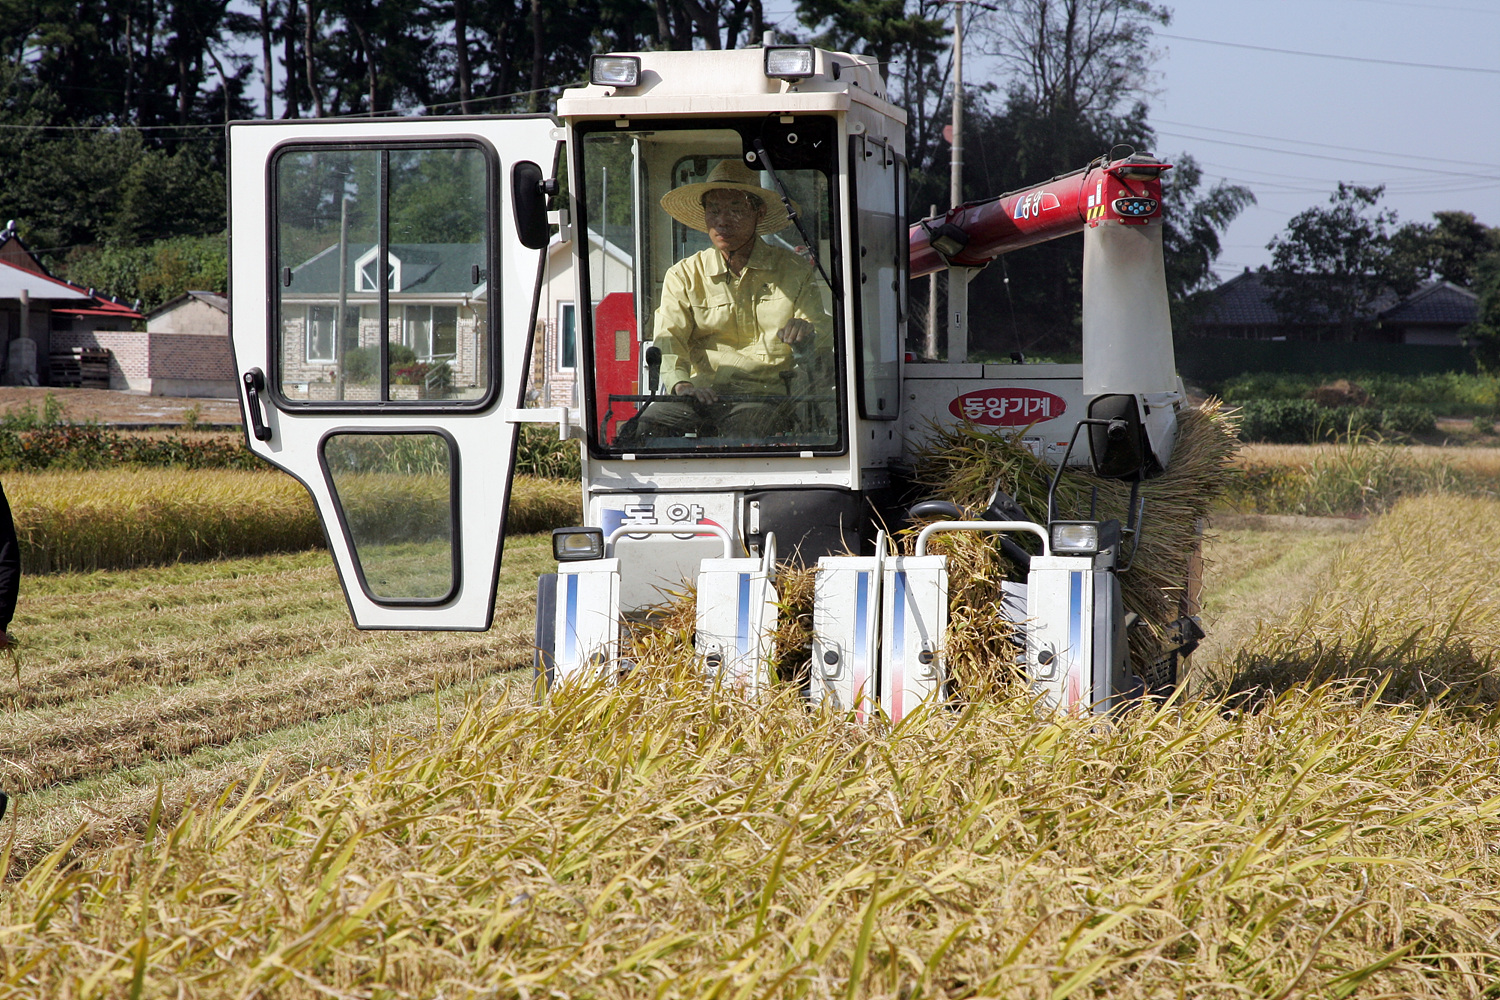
column 386, row 275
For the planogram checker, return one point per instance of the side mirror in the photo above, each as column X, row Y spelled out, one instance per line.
column 528, row 201
column 1117, row 446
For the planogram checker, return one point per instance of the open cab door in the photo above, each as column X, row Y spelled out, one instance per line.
column 381, row 314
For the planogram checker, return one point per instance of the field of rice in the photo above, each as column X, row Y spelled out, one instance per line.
column 224, row 790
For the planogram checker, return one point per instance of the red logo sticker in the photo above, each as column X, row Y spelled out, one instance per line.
column 1009, row 407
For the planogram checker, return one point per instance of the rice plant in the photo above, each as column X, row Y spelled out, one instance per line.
column 124, row 517
column 660, row 838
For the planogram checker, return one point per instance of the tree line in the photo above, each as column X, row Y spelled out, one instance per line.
column 111, row 113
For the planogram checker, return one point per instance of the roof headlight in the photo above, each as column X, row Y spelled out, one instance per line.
column 790, row 62
column 615, row 71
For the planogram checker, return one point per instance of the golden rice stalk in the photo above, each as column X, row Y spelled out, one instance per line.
column 127, row 517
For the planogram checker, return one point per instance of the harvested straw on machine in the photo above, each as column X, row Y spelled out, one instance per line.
column 963, row 464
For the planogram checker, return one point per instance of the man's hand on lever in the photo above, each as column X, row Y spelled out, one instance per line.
column 702, row 395
column 797, row 332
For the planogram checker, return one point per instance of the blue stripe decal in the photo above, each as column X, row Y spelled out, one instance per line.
column 1075, row 622
column 742, row 618
column 570, row 623
column 861, row 613
column 898, row 627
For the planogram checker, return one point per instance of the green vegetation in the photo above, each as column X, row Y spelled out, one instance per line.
column 154, row 273
column 1453, row 394
column 1305, row 421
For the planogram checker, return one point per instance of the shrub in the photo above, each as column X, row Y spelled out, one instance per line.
column 540, row 453
column 1304, row 421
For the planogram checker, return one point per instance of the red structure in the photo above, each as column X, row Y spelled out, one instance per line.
column 971, row 235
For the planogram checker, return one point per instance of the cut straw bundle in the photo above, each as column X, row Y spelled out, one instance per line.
column 964, row 464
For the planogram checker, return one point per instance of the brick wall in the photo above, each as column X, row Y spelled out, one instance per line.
column 137, row 359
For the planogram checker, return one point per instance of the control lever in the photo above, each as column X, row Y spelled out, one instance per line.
column 653, row 369
column 255, row 384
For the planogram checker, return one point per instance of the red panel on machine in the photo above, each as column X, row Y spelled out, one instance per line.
column 616, row 357
column 1007, row 406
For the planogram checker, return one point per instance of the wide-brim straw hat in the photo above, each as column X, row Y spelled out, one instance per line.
column 685, row 203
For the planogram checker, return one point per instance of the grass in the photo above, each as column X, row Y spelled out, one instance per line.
column 227, row 791
column 659, row 839
column 1355, row 477
column 182, row 674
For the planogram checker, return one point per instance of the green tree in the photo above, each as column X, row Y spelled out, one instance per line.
column 1191, row 234
column 1448, row 248
column 1484, row 335
column 1332, row 265
column 154, row 273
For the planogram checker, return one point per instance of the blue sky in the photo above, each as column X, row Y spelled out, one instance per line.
column 1291, row 126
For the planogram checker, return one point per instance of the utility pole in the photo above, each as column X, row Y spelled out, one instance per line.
column 958, row 277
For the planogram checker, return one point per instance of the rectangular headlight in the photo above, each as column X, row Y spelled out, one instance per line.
column 1075, row 538
column 615, row 71
column 790, row 62
column 577, row 544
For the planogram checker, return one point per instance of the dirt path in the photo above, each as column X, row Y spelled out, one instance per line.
column 110, row 407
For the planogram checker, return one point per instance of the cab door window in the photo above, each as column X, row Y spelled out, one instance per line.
column 417, row 215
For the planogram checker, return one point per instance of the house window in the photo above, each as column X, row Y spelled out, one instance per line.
column 431, row 331
column 567, row 337
column 320, row 331
column 369, row 267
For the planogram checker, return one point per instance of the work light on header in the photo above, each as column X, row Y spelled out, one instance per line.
column 790, row 62
column 615, row 71
column 577, row 544
column 1075, row 538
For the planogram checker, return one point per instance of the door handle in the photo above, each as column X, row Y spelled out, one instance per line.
column 255, row 384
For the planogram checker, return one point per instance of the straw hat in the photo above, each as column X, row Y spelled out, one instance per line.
column 685, row 204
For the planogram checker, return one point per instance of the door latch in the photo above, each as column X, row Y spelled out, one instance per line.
column 255, row 384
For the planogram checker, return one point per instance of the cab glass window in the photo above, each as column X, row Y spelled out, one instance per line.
column 382, row 260
column 396, row 496
column 711, row 319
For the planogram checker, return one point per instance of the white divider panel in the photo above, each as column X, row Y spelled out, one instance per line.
column 846, row 630
column 1059, row 631
column 736, row 616
column 588, row 618
column 914, row 617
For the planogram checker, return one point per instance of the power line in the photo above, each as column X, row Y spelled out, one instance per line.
column 1328, row 55
column 1336, row 159
column 1326, row 145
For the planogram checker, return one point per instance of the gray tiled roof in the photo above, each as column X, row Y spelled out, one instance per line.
column 1441, row 303
column 1245, row 300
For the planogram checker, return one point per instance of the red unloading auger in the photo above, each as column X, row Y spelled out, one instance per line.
column 1116, row 204
column 1125, row 191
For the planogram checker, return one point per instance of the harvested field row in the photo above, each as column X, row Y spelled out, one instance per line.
column 125, row 675
column 1411, row 603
